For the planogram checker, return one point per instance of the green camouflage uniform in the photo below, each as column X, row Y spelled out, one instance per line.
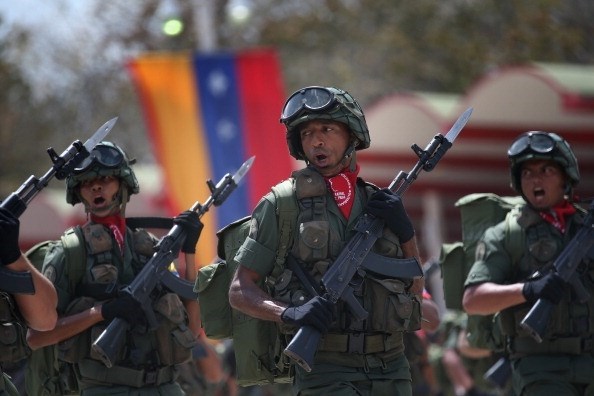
column 336, row 370
column 148, row 364
column 564, row 361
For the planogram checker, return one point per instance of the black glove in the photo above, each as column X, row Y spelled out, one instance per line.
column 123, row 307
column 550, row 287
column 385, row 205
column 9, row 237
column 192, row 226
column 317, row 312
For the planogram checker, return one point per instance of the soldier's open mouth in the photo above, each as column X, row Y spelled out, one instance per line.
column 99, row 200
column 539, row 192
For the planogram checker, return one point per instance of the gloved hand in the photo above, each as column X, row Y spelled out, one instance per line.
column 123, row 307
column 317, row 312
column 9, row 237
column 192, row 226
column 550, row 287
column 386, row 205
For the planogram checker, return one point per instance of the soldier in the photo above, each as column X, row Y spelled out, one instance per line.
column 544, row 170
column 19, row 311
column 107, row 252
column 325, row 127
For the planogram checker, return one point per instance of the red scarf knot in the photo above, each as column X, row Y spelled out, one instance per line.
column 342, row 186
column 557, row 215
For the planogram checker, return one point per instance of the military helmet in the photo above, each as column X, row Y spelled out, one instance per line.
column 106, row 159
column 311, row 103
column 541, row 145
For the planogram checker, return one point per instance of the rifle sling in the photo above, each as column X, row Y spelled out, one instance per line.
column 305, row 277
column 149, row 222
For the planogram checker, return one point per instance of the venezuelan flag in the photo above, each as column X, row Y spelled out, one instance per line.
column 206, row 113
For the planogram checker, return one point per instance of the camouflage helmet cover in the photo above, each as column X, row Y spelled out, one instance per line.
column 95, row 166
column 542, row 145
column 331, row 104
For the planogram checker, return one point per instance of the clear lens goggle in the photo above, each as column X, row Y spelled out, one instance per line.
column 105, row 156
column 314, row 99
column 535, row 142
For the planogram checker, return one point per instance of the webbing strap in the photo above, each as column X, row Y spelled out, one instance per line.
column 522, row 346
column 119, row 375
column 360, row 343
column 287, row 215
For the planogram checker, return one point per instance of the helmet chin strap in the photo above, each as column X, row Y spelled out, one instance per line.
column 120, row 200
column 349, row 155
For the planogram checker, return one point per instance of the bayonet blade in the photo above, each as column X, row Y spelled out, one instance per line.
column 243, row 169
column 100, row 134
column 458, row 125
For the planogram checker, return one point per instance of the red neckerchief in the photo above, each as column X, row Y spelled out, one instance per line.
column 117, row 225
column 557, row 214
column 343, row 189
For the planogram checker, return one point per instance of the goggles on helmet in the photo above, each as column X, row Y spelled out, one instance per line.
column 103, row 155
column 313, row 99
column 534, row 142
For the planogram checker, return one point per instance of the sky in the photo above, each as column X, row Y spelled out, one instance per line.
column 63, row 36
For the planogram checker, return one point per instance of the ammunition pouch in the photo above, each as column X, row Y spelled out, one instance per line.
column 97, row 238
column 175, row 339
column 74, row 349
column 392, row 308
column 13, row 334
column 313, row 239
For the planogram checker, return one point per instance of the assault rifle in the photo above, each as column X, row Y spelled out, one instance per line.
column 565, row 265
column 16, row 203
column 156, row 273
column 356, row 257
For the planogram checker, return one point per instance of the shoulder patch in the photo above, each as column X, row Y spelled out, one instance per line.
column 253, row 229
column 50, row 273
column 480, row 251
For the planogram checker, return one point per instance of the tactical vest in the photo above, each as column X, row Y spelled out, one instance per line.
column 392, row 309
column 571, row 326
column 146, row 352
column 13, row 342
column 13, row 332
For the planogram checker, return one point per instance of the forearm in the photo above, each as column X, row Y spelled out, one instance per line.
column 489, row 298
column 66, row 327
column 247, row 297
column 38, row 309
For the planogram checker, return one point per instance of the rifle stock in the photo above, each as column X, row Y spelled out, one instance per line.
column 368, row 229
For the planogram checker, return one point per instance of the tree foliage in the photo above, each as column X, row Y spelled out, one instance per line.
column 369, row 47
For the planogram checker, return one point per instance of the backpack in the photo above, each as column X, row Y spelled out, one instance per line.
column 478, row 212
column 257, row 343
